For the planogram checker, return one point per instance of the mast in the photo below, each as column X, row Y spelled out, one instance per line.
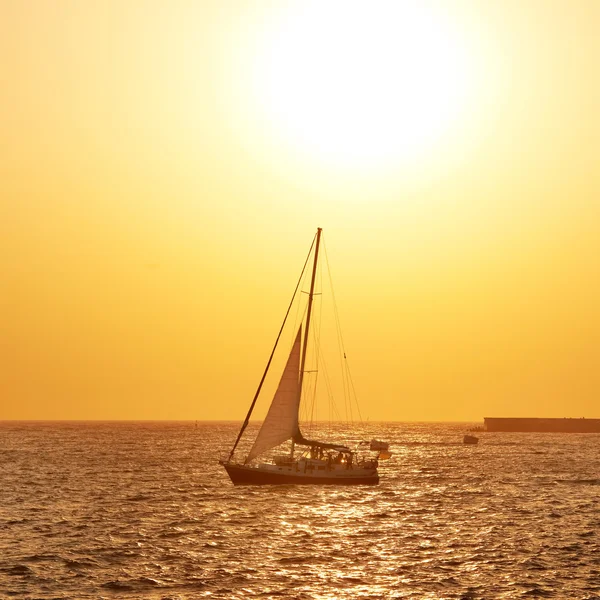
column 298, row 438
column 309, row 311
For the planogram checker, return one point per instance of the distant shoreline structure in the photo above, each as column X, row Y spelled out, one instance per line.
column 537, row 425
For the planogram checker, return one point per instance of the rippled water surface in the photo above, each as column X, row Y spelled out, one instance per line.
column 143, row 510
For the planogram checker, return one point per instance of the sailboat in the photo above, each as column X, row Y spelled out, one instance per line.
column 308, row 461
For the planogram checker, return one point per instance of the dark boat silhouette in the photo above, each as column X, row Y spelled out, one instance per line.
column 309, row 461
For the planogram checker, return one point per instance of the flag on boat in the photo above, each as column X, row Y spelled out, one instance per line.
column 384, row 455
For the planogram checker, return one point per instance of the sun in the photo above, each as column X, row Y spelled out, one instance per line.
column 360, row 84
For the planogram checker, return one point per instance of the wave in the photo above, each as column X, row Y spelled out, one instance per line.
column 578, row 481
column 17, row 570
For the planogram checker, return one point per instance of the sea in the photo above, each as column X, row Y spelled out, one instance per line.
column 143, row 510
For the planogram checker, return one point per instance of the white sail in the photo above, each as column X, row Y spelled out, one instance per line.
column 281, row 422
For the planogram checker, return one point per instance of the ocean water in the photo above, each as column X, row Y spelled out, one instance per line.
column 144, row 511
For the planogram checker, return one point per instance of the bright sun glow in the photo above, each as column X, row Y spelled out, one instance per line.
column 361, row 85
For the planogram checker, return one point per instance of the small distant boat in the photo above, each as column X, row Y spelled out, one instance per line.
column 378, row 445
column 470, row 439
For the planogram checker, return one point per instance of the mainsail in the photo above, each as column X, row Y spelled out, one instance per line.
column 281, row 422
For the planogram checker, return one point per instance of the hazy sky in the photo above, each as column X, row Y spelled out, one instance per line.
column 164, row 166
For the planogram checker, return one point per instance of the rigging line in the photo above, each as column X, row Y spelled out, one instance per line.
column 317, row 344
column 332, row 404
column 353, row 389
column 333, row 409
column 347, row 382
column 311, row 383
column 318, row 352
column 328, row 384
column 298, row 322
column 299, row 304
column 302, row 408
column 341, row 349
column 247, row 419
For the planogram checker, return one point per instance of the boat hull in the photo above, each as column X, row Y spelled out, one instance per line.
column 243, row 475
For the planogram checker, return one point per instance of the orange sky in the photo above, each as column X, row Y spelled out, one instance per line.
column 164, row 166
